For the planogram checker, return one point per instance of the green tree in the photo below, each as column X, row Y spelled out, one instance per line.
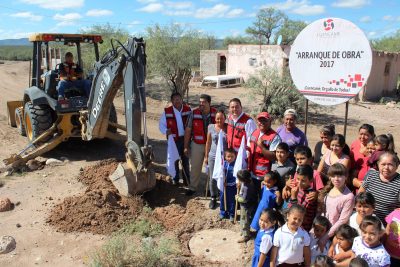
column 173, row 51
column 289, row 30
column 390, row 43
column 240, row 39
column 276, row 90
column 268, row 22
column 107, row 32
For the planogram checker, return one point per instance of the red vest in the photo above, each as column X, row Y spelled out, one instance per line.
column 171, row 120
column 68, row 69
column 258, row 164
column 199, row 133
column 236, row 131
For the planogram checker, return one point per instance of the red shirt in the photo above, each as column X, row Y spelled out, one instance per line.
column 310, row 206
column 359, row 160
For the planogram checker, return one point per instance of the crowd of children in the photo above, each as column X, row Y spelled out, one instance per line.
column 312, row 215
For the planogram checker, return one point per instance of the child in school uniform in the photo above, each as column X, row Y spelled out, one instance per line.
column 270, row 197
column 229, row 188
column 291, row 242
column 247, row 198
column 269, row 221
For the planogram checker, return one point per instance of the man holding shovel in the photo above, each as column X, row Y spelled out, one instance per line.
column 173, row 122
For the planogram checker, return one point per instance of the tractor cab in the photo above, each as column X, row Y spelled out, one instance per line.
column 48, row 53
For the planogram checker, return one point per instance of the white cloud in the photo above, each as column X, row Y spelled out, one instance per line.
column 184, row 13
column 27, row 15
column 371, row 34
column 178, row 5
column 233, row 13
column 216, row 11
column 57, row 4
column 68, row 19
column 302, row 7
column 365, row 19
column 152, row 8
column 307, row 10
column 351, row 3
column 388, row 18
column 99, row 13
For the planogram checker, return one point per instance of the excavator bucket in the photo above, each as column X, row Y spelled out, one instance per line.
column 129, row 182
column 136, row 175
column 11, row 107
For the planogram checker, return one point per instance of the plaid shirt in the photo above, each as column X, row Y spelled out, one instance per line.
column 310, row 206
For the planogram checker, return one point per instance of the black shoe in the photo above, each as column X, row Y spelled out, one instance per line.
column 190, row 192
column 174, row 182
column 213, row 203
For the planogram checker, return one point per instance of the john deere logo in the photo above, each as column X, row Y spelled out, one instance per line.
column 328, row 25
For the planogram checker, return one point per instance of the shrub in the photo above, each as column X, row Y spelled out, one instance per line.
column 277, row 91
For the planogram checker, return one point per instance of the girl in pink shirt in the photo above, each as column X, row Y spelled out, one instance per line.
column 336, row 199
column 392, row 243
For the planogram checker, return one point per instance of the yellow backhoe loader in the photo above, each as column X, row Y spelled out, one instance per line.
column 48, row 120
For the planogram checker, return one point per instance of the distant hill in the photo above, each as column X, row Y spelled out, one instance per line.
column 15, row 42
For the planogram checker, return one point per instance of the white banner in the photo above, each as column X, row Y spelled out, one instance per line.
column 330, row 61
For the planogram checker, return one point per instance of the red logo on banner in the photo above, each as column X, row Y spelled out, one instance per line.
column 328, row 24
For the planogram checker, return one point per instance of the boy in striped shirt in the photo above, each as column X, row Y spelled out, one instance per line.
column 299, row 195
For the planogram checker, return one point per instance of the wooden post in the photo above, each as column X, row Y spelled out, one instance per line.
column 345, row 119
column 306, row 119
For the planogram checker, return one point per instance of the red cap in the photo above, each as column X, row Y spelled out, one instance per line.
column 264, row 115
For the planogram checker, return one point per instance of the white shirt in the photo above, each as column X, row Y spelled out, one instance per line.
column 162, row 124
column 266, row 242
column 375, row 257
column 315, row 251
column 290, row 245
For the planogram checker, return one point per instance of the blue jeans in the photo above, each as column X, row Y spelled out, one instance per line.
column 83, row 85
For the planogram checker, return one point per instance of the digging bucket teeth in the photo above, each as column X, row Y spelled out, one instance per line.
column 136, row 175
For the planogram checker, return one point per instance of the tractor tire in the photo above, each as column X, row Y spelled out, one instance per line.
column 19, row 121
column 37, row 120
column 113, row 118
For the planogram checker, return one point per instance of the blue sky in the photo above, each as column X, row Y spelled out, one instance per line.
column 19, row 18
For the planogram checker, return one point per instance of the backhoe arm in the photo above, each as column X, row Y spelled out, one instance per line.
column 125, row 65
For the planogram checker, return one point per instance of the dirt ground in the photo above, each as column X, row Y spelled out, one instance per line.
column 46, row 197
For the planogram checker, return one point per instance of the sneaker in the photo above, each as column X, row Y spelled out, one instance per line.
column 232, row 220
column 174, row 182
column 213, row 203
column 244, row 239
column 60, row 97
column 190, row 192
column 221, row 217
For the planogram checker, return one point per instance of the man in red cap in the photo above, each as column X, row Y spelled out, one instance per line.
column 262, row 144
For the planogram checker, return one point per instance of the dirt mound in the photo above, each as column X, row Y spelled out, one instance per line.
column 100, row 210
